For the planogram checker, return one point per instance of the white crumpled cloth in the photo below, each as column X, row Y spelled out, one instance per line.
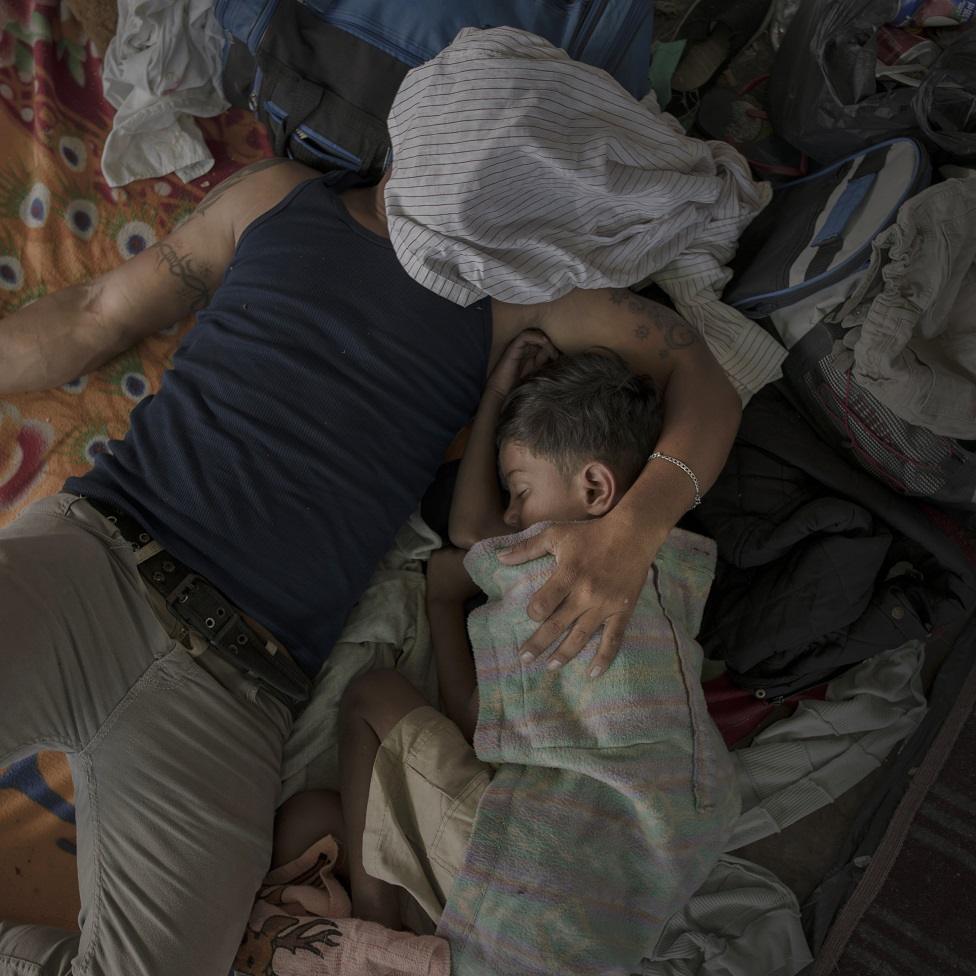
column 910, row 324
column 806, row 761
column 743, row 920
column 161, row 69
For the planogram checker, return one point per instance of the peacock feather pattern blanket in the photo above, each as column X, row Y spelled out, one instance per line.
column 61, row 223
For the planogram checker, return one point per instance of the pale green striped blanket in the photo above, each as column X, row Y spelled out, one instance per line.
column 613, row 797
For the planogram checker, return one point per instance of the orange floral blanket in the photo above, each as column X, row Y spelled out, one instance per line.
column 60, row 223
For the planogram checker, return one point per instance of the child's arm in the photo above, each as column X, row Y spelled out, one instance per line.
column 476, row 510
column 448, row 587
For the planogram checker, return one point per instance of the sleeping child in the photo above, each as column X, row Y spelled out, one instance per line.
column 552, row 818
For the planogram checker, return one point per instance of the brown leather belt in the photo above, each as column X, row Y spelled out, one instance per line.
column 199, row 605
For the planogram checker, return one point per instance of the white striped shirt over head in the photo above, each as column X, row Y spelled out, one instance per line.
column 521, row 174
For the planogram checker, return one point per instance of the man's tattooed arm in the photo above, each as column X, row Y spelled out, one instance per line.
column 193, row 278
column 218, row 191
column 198, row 251
column 675, row 331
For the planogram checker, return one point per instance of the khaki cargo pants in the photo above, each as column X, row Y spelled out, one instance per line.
column 175, row 759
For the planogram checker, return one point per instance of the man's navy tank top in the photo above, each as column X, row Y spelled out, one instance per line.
column 305, row 414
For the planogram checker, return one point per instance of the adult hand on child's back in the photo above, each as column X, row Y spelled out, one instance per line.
column 601, row 567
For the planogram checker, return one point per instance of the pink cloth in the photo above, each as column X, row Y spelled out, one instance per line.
column 300, row 926
column 737, row 713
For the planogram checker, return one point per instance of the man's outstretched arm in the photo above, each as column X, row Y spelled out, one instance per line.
column 79, row 328
column 601, row 565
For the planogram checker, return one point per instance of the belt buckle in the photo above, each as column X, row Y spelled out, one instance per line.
column 220, row 624
column 239, row 650
column 181, row 592
column 145, row 551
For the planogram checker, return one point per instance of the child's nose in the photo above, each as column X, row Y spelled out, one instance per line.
column 510, row 518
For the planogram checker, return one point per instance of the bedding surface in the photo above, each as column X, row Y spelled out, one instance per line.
column 61, row 223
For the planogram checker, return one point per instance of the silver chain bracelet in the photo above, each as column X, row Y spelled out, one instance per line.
column 684, row 467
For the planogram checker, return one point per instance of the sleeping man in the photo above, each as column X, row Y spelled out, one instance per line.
column 161, row 616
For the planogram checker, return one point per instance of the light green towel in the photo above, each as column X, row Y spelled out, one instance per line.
column 613, row 798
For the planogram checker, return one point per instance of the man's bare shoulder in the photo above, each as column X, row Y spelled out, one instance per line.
column 563, row 319
column 508, row 320
column 651, row 337
column 239, row 200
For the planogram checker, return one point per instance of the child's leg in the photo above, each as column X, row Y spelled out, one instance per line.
column 304, row 819
column 371, row 707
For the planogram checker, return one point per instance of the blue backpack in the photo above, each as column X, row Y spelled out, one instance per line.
column 322, row 74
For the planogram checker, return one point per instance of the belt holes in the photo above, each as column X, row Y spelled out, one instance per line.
column 111, row 518
column 143, row 537
column 221, row 612
column 158, row 577
column 168, row 566
column 241, row 638
column 210, row 623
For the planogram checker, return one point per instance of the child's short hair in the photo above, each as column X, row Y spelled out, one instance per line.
column 588, row 406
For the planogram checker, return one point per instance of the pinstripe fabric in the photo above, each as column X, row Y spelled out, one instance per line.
column 612, row 798
column 521, row 174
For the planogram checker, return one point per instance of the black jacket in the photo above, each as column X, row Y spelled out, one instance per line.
column 821, row 566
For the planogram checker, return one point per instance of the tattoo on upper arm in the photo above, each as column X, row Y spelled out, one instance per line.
column 676, row 332
column 192, row 278
column 218, row 191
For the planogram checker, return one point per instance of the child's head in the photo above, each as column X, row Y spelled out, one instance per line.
column 574, row 436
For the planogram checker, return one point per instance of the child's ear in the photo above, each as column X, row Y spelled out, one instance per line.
column 599, row 488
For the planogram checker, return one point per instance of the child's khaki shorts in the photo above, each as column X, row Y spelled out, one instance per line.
column 426, row 785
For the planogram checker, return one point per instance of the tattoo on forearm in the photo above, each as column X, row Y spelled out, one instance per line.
column 182, row 266
column 218, row 191
column 675, row 331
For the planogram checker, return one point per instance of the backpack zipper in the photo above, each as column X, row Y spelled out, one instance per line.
column 252, row 100
column 319, row 145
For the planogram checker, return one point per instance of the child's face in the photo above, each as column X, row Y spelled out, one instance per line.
column 538, row 491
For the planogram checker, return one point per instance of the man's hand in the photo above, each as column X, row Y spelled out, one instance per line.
column 526, row 353
column 601, row 567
